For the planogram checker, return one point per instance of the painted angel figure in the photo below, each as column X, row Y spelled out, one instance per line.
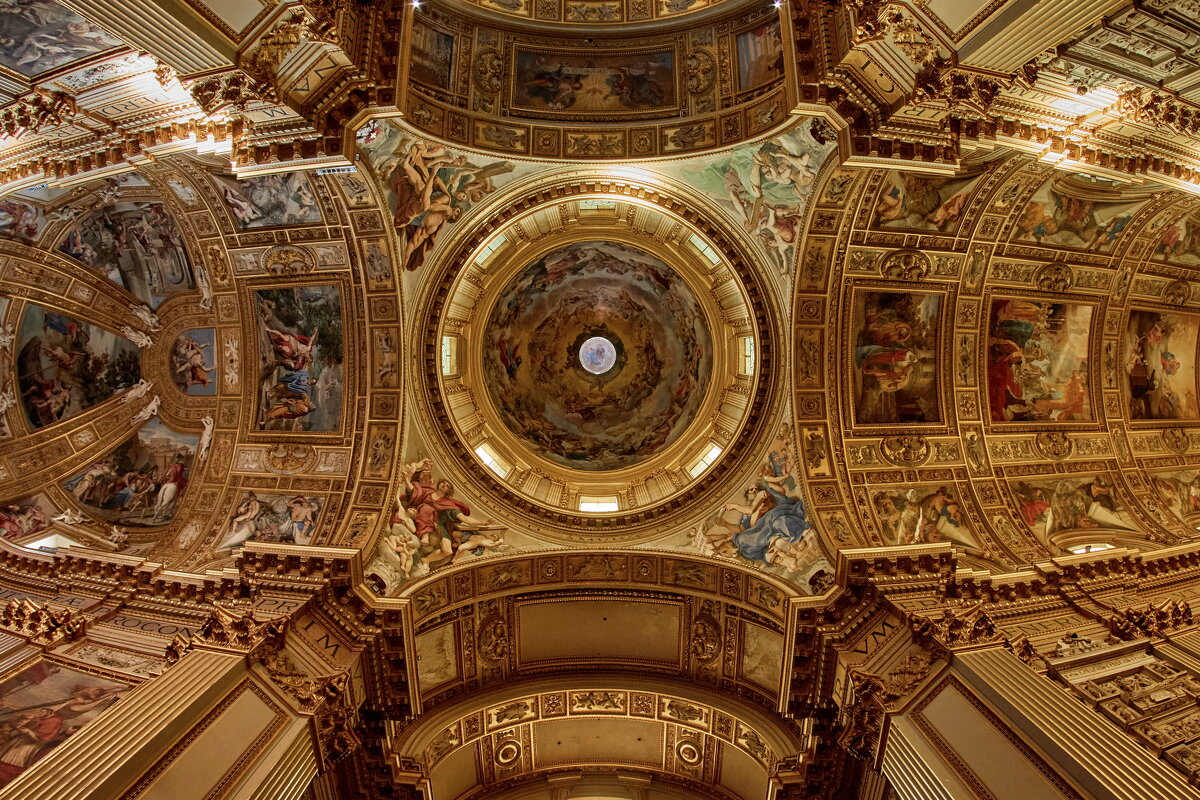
column 137, row 391
column 107, row 194
column 143, row 312
column 205, row 438
column 7, row 335
column 149, row 411
column 142, row 340
column 7, row 400
column 770, row 513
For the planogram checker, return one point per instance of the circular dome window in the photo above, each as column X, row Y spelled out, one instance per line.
column 598, row 355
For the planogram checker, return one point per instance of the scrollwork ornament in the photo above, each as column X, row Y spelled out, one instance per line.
column 488, row 70
column 905, row 451
column 863, row 720
column 1054, row 445
column 906, row 264
column 704, row 643
column 288, row 259
column 289, row 459
column 493, row 640
column 1177, row 293
column 1176, row 440
column 701, row 71
column 1054, row 277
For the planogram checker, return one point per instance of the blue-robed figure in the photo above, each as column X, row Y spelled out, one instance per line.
column 786, row 519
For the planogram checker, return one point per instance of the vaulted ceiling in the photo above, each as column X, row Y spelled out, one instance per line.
column 874, row 274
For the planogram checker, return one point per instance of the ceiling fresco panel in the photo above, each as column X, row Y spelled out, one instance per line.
column 896, row 357
column 1038, row 361
column 65, row 366
column 301, row 353
column 1160, row 365
column 269, row 201
column 141, row 483
column 136, row 246
column 38, row 36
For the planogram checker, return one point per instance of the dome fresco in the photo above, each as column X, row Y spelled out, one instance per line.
column 552, row 401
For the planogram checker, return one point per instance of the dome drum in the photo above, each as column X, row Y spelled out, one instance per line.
column 659, row 296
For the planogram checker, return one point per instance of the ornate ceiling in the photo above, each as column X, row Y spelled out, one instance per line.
column 872, row 275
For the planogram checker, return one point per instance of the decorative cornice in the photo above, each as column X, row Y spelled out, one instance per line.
column 962, row 627
column 238, row 630
column 1154, row 619
column 39, row 623
column 32, row 112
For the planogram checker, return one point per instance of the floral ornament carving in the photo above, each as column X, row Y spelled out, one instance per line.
column 311, row 692
column 260, row 64
column 1155, row 620
column 37, row 110
column 1160, row 110
column 1054, row 277
column 966, row 626
column 1121, row 628
column 227, row 629
column 905, row 451
column 1054, row 445
column 39, row 623
column 903, row 678
column 1023, row 649
column 336, row 730
column 323, row 25
column 228, row 90
column 941, row 81
column 906, row 264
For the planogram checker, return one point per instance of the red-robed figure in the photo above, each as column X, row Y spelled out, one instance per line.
column 438, row 516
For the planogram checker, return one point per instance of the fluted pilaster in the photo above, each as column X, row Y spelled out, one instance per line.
column 1103, row 760
column 126, row 740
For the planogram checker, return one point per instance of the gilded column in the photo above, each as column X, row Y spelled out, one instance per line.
column 234, row 717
